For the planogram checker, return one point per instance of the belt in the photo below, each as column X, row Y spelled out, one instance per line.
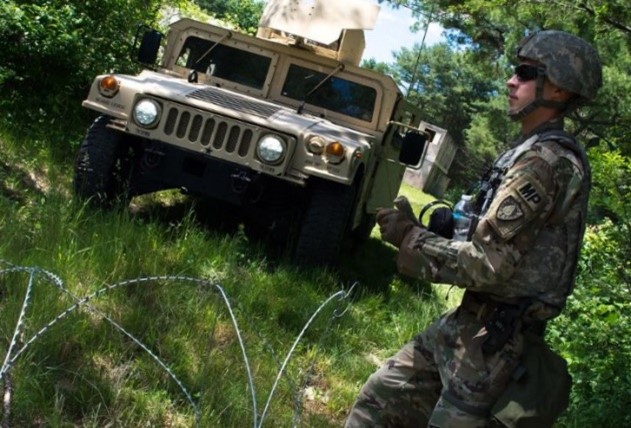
column 483, row 306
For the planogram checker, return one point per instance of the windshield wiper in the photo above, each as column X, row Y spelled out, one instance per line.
column 192, row 75
column 336, row 70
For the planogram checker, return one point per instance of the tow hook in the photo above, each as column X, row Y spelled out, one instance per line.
column 152, row 158
column 240, row 182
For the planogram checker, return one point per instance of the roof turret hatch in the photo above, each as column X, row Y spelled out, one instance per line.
column 330, row 28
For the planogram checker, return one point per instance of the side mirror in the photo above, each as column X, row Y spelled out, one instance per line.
column 149, row 45
column 412, row 147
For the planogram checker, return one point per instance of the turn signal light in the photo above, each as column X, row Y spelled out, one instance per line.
column 335, row 149
column 335, row 152
column 108, row 86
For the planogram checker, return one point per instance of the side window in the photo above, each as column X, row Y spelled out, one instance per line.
column 182, row 59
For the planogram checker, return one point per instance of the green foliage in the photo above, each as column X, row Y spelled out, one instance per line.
column 83, row 372
column 612, row 117
column 452, row 90
column 594, row 332
column 245, row 14
column 53, row 49
column 373, row 64
column 486, row 136
column 611, row 187
column 489, row 30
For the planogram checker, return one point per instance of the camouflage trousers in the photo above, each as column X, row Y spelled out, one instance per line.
column 439, row 379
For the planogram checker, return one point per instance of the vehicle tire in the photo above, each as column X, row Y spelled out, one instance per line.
column 324, row 224
column 365, row 227
column 104, row 165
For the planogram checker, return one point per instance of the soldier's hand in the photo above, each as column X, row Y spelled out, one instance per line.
column 393, row 225
column 403, row 204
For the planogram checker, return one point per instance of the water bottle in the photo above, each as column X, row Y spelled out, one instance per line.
column 462, row 218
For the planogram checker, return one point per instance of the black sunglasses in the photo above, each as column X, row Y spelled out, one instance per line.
column 526, row 72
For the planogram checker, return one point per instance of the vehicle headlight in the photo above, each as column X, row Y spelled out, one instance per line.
column 315, row 145
column 147, row 113
column 271, row 149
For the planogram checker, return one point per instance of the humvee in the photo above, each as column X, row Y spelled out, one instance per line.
column 282, row 129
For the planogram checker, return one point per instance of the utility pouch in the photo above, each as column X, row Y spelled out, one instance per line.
column 539, row 391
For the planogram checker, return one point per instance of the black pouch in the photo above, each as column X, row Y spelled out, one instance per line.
column 541, row 392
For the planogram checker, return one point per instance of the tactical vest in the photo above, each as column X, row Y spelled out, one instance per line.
column 549, row 271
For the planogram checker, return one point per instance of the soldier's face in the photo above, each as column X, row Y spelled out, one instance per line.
column 522, row 86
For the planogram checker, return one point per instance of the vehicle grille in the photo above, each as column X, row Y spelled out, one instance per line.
column 213, row 133
column 234, row 102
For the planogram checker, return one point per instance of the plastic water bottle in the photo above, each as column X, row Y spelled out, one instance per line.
column 462, row 218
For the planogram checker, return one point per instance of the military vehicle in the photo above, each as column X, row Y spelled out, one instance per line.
column 283, row 130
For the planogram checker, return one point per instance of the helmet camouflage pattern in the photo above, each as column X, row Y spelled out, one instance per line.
column 570, row 62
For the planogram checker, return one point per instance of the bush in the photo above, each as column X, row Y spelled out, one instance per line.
column 52, row 49
column 594, row 332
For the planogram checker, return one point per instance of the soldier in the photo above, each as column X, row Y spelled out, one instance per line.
column 518, row 266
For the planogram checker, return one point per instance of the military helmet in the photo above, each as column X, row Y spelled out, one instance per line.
column 570, row 62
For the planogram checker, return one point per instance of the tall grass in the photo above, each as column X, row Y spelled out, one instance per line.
column 84, row 372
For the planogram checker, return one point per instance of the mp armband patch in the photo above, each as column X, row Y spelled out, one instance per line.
column 516, row 205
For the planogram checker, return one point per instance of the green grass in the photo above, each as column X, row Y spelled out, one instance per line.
column 84, row 372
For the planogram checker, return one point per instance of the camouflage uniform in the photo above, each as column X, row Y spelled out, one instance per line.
column 521, row 260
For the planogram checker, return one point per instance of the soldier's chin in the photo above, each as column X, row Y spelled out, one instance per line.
column 513, row 113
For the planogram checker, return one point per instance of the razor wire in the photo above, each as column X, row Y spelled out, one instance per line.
column 338, row 295
column 12, row 358
column 341, row 295
column 14, row 354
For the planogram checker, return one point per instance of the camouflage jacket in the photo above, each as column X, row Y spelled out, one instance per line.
column 528, row 241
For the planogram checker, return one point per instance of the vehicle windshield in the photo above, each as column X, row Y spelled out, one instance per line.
column 335, row 94
column 224, row 62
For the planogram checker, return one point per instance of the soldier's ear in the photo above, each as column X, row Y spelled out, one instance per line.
column 561, row 95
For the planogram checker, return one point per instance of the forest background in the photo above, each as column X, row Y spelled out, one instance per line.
column 52, row 49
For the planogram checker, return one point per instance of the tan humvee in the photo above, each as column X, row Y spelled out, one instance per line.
column 284, row 127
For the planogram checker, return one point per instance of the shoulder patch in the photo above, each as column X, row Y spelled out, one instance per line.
column 530, row 194
column 518, row 202
column 509, row 209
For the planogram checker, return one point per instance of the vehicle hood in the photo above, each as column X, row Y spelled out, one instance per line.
column 250, row 109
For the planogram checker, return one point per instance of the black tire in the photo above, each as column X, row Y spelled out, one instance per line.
column 104, row 165
column 324, row 224
column 365, row 227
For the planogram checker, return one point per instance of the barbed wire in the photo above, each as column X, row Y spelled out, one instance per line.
column 15, row 351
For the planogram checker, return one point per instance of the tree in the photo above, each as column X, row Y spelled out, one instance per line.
column 452, row 89
column 491, row 29
column 52, row 50
column 245, row 14
column 373, row 64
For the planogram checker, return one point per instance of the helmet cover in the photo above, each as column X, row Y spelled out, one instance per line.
column 570, row 62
